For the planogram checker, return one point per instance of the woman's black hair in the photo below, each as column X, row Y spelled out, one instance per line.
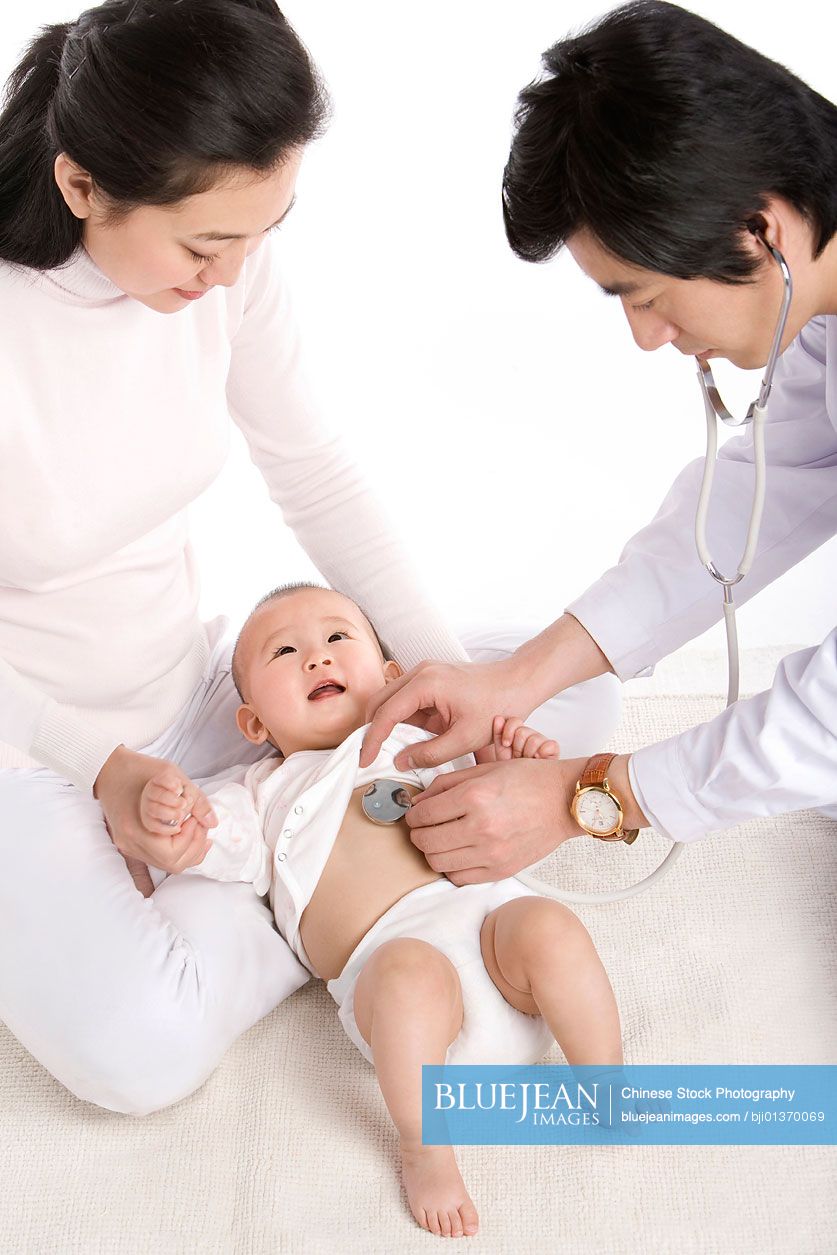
column 158, row 100
column 664, row 136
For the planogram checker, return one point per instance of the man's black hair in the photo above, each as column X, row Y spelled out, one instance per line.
column 663, row 136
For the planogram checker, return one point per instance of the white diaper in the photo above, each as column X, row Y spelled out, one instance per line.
column 449, row 917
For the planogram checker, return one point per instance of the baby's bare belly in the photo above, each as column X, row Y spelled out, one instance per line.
column 370, row 867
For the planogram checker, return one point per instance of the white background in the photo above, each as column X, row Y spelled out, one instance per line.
column 502, row 409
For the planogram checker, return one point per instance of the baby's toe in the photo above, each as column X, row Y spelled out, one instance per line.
column 469, row 1217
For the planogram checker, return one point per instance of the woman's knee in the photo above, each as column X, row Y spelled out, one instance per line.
column 138, row 1094
column 137, row 1038
column 130, row 1003
column 143, row 1060
column 168, row 1037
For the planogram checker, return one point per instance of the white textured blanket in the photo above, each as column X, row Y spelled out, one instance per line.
column 289, row 1148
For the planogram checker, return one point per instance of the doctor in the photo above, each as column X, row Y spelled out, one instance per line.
column 655, row 147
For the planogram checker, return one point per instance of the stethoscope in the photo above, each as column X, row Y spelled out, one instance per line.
column 387, row 801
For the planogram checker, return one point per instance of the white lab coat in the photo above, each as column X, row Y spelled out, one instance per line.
column 777, row 751
column 278, row 827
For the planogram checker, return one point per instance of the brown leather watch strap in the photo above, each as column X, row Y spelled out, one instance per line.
column 595, row 771
column 595, row 774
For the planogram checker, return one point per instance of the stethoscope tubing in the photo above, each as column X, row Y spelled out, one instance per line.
column 715, row 411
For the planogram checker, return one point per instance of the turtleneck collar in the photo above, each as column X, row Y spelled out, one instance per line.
column 79, row 281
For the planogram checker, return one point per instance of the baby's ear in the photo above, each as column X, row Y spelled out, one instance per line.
column 391, row 671
column 250, row 725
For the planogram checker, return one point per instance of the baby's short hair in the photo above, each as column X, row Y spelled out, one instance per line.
column 284, row 590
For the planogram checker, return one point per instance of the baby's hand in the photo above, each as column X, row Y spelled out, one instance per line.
column 512, row 739
column 168, row 799
column 522, row 742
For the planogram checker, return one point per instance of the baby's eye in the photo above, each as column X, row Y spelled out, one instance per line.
column 277, row 653
column 336, row 635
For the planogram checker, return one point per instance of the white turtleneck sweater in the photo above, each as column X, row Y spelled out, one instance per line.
column 114, row 418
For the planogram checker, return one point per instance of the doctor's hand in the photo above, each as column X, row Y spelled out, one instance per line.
column 490, row 821
column 455, row 700
column 140, row 796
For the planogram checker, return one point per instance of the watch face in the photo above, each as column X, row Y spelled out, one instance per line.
column 597, row 810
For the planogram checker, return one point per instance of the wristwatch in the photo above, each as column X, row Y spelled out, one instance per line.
column 595, row 806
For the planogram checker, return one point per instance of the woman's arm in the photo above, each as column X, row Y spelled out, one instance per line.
column 72, row 747
column 312, row 476
column 51, row 733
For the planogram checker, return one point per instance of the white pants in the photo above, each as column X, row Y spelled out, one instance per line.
column 131, row 1002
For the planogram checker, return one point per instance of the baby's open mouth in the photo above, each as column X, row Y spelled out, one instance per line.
column 327, row 688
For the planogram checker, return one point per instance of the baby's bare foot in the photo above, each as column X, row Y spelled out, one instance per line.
column 436, row 1192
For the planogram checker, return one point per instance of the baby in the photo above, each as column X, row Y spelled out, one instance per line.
column 423, row 971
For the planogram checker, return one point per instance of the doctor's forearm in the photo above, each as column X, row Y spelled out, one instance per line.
column 563, row 654
column 620, row 781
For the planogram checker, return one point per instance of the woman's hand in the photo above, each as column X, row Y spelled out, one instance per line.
column 490, row 821
column 153, row 811
column 457, row 701
column 140, row 875
column 512, row 739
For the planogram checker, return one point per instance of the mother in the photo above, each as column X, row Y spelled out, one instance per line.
column 145, row 151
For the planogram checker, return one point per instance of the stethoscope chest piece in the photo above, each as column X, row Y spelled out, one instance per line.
column 385, row 801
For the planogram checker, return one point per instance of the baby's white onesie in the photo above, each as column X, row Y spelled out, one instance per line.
column 278, row 827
